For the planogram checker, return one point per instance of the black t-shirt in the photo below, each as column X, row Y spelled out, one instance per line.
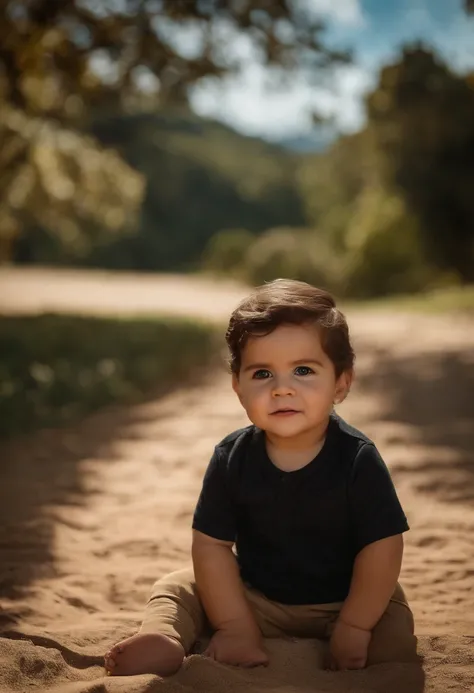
column 297, row 533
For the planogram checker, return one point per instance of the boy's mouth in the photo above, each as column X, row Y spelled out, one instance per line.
column 284, row 412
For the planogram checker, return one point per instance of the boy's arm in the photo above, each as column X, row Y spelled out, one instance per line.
column 375, row 575
column 374, row 578
column 215, row 567
column 377, row 525
column 220, row 587
column 237, row 639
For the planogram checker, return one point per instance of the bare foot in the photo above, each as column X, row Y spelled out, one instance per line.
column 145, row 653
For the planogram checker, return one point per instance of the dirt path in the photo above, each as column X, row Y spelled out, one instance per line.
column 91, row 516
column 35, row 290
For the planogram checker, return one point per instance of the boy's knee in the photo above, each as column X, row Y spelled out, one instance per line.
column 177, row 584
column 393, row 638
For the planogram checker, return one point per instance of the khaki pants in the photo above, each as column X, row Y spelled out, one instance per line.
column 174, row 609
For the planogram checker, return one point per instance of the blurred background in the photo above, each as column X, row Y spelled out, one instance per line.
column 249, row 139
column 332, row 141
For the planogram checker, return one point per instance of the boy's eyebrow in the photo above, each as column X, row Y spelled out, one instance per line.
column 257, row 366
column 315, row 361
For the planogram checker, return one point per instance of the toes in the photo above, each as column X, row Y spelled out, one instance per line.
column 116, row 649
column 111, row 655
column 109, row 664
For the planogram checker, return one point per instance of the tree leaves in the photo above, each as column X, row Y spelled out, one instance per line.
column 63, row 182
column 421, row 115
column 64, row 61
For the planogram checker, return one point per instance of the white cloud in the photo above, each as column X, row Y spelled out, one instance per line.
column 342, row 11
column 245, row 103
column 345, row 101
column 456, row 43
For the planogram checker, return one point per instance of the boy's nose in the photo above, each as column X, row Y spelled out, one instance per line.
column 282, row 388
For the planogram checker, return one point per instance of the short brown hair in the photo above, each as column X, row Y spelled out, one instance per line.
column 287, row 301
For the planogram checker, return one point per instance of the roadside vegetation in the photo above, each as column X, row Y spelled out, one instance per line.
column 55, row 369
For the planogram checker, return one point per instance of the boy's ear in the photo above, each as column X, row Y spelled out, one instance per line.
column 343, row 386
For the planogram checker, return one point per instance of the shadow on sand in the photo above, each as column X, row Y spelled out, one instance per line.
column 41, row 473
column 433, row 395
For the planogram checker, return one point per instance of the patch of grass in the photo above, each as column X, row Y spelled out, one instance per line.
column 454, row 299
column 55, row 369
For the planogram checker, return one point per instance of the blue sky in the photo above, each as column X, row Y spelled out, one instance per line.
column 374, row 30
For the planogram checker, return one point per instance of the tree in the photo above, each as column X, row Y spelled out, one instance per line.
column 421, row 114
column 61, row 61
column 60, row 187
column 331, row 183
column 48, row 48
column 384, row 255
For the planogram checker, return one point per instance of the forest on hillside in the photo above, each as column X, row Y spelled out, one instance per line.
column 100, row 173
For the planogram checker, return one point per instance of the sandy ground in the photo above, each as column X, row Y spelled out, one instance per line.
column 90, row 516
column 109, row 293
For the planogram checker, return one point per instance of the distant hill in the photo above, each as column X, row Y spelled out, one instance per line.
column 314, row 143
column 202, row 177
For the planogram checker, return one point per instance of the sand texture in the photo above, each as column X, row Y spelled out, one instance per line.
column 91, row 515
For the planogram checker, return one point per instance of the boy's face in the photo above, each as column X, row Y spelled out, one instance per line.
column 287, row 384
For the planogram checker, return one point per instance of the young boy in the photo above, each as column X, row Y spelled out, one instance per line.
column 304, row 499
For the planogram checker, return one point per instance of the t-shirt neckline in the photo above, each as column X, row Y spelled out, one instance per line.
column 302, row 471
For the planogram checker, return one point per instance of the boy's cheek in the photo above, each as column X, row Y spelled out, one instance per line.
column 255, row 408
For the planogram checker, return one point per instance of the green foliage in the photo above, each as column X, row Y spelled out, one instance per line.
column 64, row 61
column 67, row 195
column 180, row 180
column 54, row 369
column 384, row 253
column 225, row 252
column 331, row 182
column 292, row 253
column 394, row 202
column 421, row 115
column 202, row 177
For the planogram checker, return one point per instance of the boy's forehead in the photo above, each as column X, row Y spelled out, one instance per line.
column 288, row 339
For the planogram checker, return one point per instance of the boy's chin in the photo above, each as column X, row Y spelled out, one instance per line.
column 285, row 429
column 290, row 428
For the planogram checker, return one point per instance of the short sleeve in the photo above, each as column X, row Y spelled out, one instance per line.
column 215, row 514
column 376, row 512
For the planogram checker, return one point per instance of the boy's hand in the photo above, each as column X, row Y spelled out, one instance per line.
column 237, row 647
column 348, row 647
